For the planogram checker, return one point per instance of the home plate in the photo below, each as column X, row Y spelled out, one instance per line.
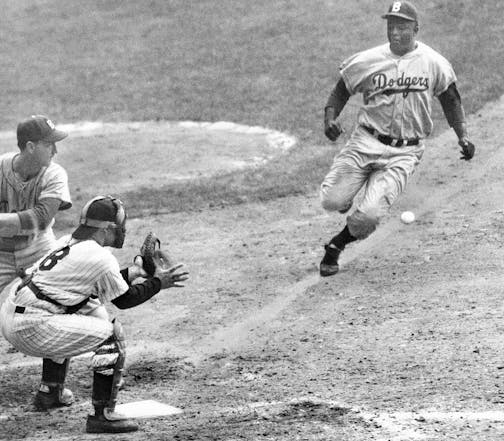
column 146, row 409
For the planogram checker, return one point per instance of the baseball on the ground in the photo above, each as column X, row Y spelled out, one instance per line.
column 407, row 217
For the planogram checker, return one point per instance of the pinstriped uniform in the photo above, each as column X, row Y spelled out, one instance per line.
column 78, row 271
column 18, row 195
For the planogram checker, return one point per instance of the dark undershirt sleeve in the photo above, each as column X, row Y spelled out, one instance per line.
column 452, row 106
column 338, row 98
column 137, row 294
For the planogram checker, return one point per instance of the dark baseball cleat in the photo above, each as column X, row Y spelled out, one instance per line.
column 329, row 263
column 100, row 424
column 48, row 398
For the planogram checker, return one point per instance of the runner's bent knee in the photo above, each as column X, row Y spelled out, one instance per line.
column 333, row 200
column 361, row 224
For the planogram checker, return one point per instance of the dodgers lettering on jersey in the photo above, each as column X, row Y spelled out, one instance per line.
column 397, row 90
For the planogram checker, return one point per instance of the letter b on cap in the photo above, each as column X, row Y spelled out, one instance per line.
column 396, row 7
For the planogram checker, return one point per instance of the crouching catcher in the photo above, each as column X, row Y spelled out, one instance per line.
column 57, row 311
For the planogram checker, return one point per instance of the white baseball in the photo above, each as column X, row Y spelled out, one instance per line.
column 407, row 217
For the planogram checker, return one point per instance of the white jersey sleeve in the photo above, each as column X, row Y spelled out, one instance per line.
column 356, row 69
column 54, row 184
column 441, row 70
column 111, row 284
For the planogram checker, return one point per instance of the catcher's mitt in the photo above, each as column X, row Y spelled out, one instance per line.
column 152, row 256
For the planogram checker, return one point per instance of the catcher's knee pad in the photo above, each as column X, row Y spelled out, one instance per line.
column 109, row 357
column 361, row 225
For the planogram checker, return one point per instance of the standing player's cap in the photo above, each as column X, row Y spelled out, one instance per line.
column 99, row 212
column 402, row 10
column 38, row 128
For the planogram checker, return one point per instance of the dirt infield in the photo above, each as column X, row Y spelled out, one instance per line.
column 404, row 344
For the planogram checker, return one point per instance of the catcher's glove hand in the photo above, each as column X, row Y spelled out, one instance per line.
column 171, row 277
column 468, row 149
column 151, row 255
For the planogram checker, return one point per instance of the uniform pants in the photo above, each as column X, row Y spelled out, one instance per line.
column 381, row 171
column 44, row 334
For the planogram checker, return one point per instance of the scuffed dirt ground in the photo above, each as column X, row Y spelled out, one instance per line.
column 405, row 343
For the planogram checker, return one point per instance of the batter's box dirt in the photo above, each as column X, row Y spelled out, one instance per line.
column 310, row 410
column 157, row 371
column 271, row 421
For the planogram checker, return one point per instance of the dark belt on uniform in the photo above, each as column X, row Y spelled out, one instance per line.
column 41, row 296
column 387, row 140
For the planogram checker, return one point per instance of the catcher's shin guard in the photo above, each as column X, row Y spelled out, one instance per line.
column 51, row 393
column 108, row 364
column 54, row 373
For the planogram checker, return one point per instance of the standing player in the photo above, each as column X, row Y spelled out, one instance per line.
column 398, row 81
column 32, row 188
column 58, row 311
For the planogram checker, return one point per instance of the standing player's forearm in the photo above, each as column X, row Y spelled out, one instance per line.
column 337, row 100
column 40, row 216
column 29, row 221
column 10, row 225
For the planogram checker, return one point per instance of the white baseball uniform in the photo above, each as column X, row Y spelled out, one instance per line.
column 397, row 103
column 21, row 252
column 75, row 271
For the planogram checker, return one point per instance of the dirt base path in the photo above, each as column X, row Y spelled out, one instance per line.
column 404, row 343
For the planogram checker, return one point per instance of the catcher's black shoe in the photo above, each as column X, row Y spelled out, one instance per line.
column 329, row 263
column 100, row 424
column 52, row 397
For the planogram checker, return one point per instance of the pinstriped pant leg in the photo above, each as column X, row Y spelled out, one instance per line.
column 56, row 336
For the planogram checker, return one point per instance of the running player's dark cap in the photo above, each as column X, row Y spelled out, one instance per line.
column 99, row 212
column 402, row 10
column 38, row 128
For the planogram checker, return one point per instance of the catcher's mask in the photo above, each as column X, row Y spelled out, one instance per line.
column 99, row 213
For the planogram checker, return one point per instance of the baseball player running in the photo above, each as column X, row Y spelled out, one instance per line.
column 398, row 81
column 32, row 189
column 58, row 312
